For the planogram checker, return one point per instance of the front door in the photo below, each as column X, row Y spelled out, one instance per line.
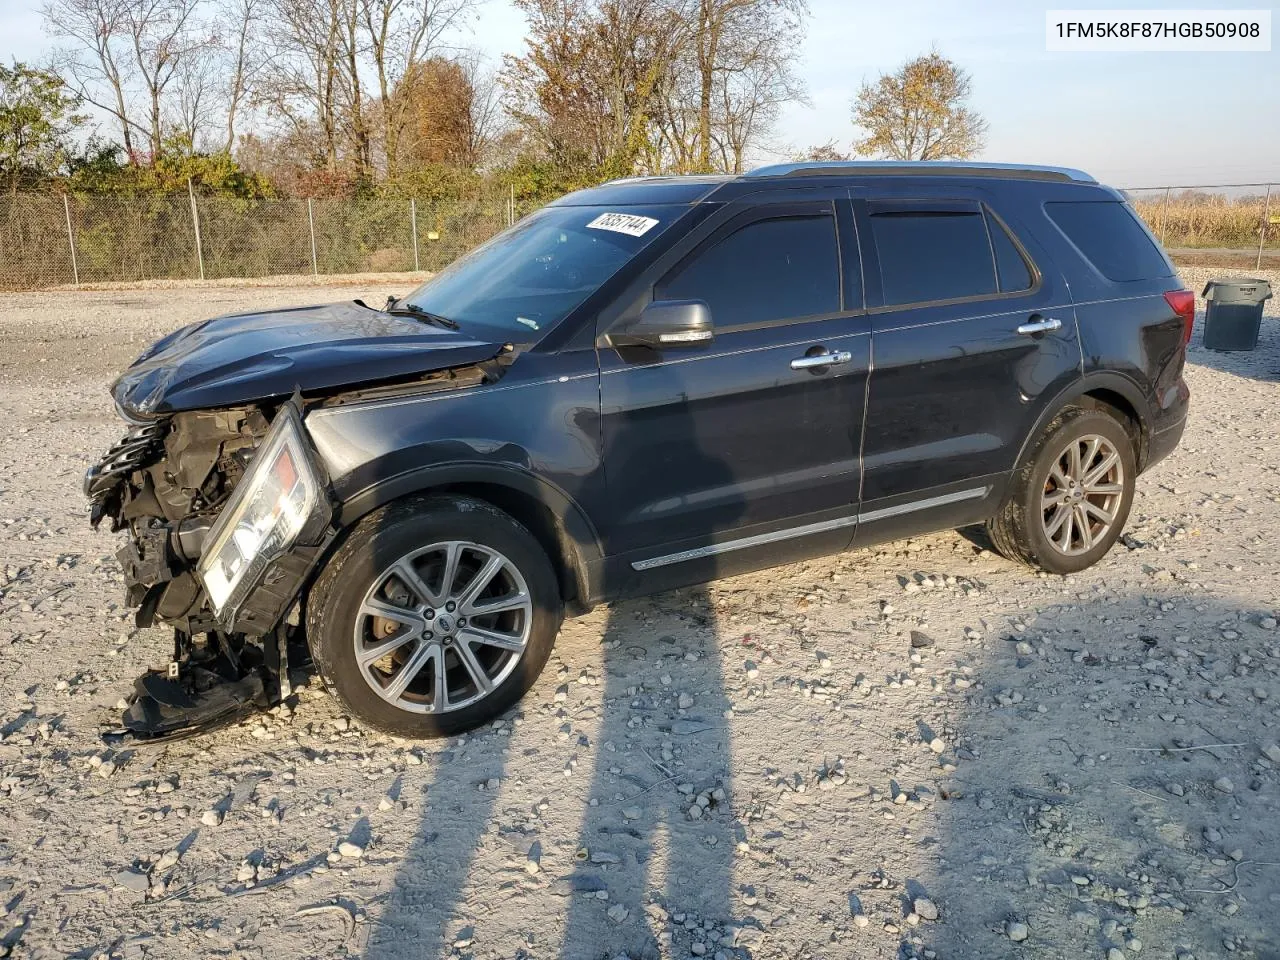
column 746, row 451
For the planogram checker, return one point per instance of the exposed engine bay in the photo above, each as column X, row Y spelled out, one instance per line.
column 227, row 506
column 165, row 483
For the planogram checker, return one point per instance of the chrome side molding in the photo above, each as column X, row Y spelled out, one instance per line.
column 808, row 529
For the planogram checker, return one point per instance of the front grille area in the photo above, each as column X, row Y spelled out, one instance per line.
column 104, row 481
column 140, row 446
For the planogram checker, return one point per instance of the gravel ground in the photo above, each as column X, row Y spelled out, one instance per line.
column 919, row 750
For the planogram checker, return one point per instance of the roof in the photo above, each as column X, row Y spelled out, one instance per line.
column 637, row 190
column 694, row 188
column 918, row 168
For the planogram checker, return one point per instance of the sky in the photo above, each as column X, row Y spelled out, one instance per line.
column 1130, row 119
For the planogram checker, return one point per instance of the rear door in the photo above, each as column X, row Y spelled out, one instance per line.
column 972, row 326
column 744, row 452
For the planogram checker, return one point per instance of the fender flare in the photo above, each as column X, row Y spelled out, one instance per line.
column 1101, row 380
column 578, row 533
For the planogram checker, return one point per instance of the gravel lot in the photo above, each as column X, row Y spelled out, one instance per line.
column 921, row 750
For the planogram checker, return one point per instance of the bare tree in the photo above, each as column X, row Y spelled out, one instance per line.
column 373, row 87
column 306, row 71
column 322, row 56
column 748, row 104
column 753, row 84
column 829, row 152
column 195, row 101
column 240, row 22
column 756, row 37
column 919, row 113
column 96, row 60
column 125, row 54
column 486, row 121
column 161, row 34
column 402, row 34
column 587, row 89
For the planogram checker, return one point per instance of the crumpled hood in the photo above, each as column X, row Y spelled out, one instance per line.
column 247, row 357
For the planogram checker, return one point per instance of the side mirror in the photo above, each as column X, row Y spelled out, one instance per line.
column 668, row 323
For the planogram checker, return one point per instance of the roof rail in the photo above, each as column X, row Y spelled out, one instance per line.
column 920, row 168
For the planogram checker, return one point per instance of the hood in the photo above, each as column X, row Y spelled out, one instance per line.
column 247, row 357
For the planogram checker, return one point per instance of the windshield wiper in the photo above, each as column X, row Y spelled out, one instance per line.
column 413, row 310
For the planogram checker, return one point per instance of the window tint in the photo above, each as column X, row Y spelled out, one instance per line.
column 767, row 270
column 932, row 255
column 1109, row 235
column 1012, row 270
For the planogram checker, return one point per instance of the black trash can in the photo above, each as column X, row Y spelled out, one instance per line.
column 1234, row 313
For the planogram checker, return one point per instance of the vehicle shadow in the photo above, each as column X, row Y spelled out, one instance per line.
column 1101, row 789
column 641, row 861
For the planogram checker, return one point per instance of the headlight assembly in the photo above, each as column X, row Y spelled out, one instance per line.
column 274, row 503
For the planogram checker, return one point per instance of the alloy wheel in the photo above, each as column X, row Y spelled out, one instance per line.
column 443, row 627
column 1082, row 495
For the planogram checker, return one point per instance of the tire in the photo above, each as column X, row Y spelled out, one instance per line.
column 1049, row 519
column 384, row 625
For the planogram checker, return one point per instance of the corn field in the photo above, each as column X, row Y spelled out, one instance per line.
column 54, row 240
column 1228, row 218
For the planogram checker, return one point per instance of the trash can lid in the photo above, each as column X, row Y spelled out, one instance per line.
column 1237, row 290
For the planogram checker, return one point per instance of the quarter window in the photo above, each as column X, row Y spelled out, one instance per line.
column 933, row 255
column 768, row 270
column 1108, row 233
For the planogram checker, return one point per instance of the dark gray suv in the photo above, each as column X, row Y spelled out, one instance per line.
column 656, row 382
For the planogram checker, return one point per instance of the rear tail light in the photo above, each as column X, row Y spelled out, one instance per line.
column 1184, row 305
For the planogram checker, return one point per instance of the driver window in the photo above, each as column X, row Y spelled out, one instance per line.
column 783, row 268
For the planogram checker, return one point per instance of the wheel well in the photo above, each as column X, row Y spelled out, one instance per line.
column 1118, row 406
column 540, row 521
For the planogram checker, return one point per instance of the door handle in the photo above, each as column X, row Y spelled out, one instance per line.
column 1042, row 325
column 821, row 360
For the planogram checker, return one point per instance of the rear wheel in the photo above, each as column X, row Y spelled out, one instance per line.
column 1069, row 502
column 435, row 616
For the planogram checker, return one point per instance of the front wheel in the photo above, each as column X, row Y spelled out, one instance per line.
column 1068, row 503
column 434, row 616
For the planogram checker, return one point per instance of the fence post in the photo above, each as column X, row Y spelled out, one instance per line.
column 195, row 222
column 71, row 239
column 1164, row 217
column 1262, row 237
column 413, row 222
column 311, row 219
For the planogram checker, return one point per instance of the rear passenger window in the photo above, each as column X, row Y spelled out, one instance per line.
column 1108, row 234
column 1011, row 269
column 932, row 255
column 768, row 270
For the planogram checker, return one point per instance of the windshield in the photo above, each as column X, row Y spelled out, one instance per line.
column 528, row 278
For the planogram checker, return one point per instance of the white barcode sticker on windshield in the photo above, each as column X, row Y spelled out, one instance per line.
column 627, row 223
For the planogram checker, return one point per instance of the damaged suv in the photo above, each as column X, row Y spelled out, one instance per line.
column 651, row 383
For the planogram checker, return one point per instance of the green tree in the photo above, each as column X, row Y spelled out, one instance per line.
column 919, row 113
column 100, row 169
column 37, row 115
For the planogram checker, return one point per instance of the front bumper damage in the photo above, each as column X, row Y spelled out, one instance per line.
column 182, row 486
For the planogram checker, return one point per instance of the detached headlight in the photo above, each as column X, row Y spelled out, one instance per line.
column 273, row 504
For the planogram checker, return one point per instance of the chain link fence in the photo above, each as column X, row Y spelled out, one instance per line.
column 1237, row 224
column 51, row 240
